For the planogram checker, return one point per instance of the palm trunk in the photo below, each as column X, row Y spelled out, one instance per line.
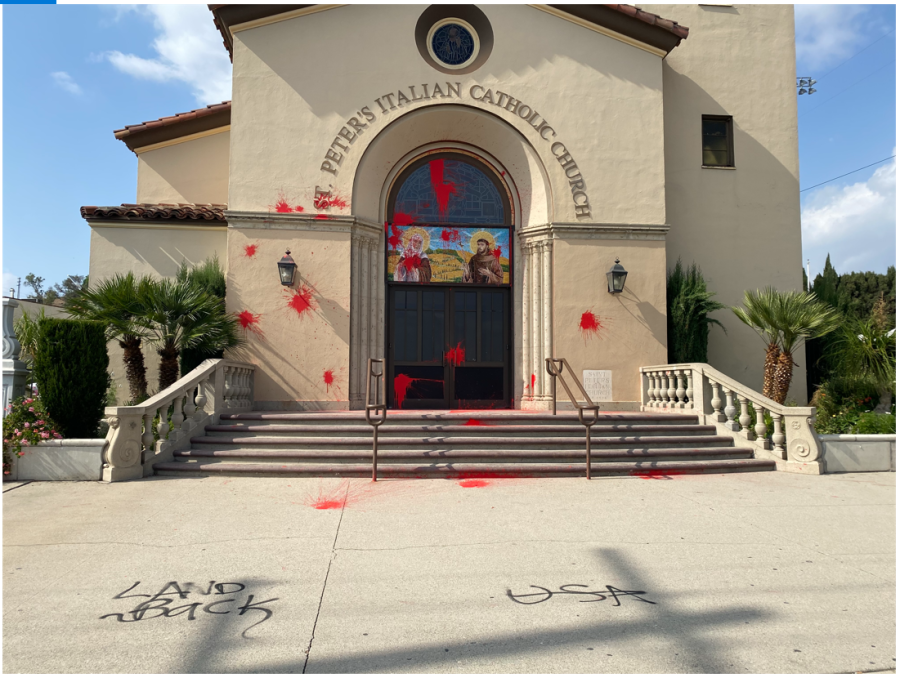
column 168, row 366
column 784, row 371
column 773, row 353
column 135, row 371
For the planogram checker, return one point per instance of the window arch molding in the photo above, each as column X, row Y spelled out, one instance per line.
column 492, row 170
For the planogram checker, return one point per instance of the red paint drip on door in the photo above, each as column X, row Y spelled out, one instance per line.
column 402, row 382
column 457, row 356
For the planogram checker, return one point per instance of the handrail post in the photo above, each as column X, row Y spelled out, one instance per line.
column 376, row 407
column 554, row 372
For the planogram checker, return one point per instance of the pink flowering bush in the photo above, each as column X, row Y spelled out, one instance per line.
column 25, row 423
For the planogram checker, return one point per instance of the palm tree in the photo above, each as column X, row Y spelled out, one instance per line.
column 118, row 303
column 785, row 319
column 179, row 315
column 759, row 315
column 689, row 303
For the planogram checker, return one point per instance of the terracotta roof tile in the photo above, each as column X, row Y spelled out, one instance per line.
column 652, row 19
column 212, row 109
column 147, row 211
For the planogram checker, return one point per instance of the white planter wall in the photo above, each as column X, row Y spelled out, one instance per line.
column 859, row 453
column 73, row 459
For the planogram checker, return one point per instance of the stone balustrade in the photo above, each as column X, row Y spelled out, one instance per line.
column 699, row 389
column 197, row 399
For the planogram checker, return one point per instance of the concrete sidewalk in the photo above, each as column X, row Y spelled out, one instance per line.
column 754, row 572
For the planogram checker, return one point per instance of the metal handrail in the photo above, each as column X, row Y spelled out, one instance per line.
column 375, row 407
column 555, row 368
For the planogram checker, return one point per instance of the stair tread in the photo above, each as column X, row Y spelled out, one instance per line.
column 425, row 454
column 452, row 440
column 396, row 415
column 490, row 470
column 499, row 428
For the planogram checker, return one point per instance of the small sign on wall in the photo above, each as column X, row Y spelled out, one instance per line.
column 598, row 384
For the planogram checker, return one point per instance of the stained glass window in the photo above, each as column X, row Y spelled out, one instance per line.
column 453, row 44
column 445, row 191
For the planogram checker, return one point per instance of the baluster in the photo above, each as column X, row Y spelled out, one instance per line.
column 190, row 407
column 745, row 417
column 729, row 404
column 778, row 437
column 660, row 398
column 671, row 391
column 245, row 386
column 651, row 399
column 177, row 416
column 689, row 392
column 228, row 390
column 162, row 428
column 680, row 391
column 760, row 429
column 147, row 437
column 200, row 400
column 716, row 402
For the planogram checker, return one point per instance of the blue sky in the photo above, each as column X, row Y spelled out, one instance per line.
column 74, row 73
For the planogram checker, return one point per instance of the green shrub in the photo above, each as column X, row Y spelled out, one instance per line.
column 688, row 304
column 70, row 368
column 869, row 422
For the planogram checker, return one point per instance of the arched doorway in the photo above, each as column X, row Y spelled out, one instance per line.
column 448, row 264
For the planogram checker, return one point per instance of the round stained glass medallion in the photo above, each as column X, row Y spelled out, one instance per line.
column 453, row 43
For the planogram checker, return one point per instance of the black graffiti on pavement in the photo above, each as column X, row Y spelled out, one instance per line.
column 545, row 594
column 160, row 604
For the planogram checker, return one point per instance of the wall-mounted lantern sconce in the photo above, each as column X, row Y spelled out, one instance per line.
column 615, row 278
column 286, row 268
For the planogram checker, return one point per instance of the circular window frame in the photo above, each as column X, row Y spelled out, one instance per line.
column 458, row 154
column 466, row 15
column 459, row 22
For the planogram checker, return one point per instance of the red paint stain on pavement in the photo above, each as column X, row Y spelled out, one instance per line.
column 473, row 483
column 250, row 250
column 301, row 300
column 328, row 378
column 443, row 189
column 590, row 325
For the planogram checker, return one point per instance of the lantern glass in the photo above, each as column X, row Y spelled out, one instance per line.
column 615, row 278
column 286, row 268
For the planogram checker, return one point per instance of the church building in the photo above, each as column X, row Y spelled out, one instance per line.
column 467, row 190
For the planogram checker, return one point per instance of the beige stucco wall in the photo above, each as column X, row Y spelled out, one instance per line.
column 293, row 349
column 741, row 226
column 633, row 325
column 194, row 171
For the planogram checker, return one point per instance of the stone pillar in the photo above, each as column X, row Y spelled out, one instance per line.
column 14, row 370
column 528, row 391
column 546, row 310
column 354, row 396
column 537, row 359
column 363, row 326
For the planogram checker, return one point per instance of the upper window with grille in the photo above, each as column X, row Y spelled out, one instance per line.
column 718, row 141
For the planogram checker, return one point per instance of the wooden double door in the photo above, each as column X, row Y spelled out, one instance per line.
column 448, row 347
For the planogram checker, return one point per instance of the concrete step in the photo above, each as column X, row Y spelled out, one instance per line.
column 467, row 471
column 454, row 416
column 436, row 443
column 458, row 456
column 244, row 430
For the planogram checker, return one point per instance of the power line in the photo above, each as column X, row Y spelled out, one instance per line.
column 851, row 87
column 821, row 77
column 847, row 174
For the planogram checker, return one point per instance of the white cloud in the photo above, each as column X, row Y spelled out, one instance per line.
column 828, row 34
column 189, row 50
column 856, row 224
column 65, row 81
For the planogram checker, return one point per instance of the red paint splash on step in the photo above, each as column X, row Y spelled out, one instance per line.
column 250, row 250
column 590, row 325
column 657, row 474
column 473, row 483
column 328, row 378
column 443, row 188
column 457, row 356
column 322, row 216
column 476, row 422
column 301, row 300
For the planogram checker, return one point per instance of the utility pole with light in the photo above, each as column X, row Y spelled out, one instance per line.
column 805, row 85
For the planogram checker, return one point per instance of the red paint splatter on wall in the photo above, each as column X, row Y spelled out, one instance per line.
column 328, row 378
column 301, row 300
column 250, row 250
column 443, row 188
column 498, row 251
column 457, row 356
column 298, row 208
column 404, row 219
column 249, row 321
column 324, row 201
column 533, row 379
column 590, row 325
column 283, row 205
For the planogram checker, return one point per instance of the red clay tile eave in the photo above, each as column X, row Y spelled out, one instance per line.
column 652, row 19
column 157, row 211
column 212, row 109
